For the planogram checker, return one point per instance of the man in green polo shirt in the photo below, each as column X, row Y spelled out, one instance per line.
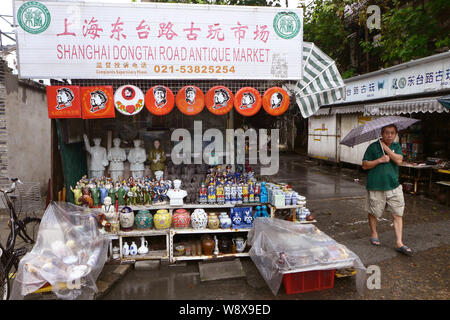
column 383, row 188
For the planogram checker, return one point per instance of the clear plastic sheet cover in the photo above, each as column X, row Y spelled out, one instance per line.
column 281, row 246
column 69, row 254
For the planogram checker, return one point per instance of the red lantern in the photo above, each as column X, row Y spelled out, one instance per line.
column 159, row 100
column 97, row 102
column 275, row 101
column 63, row 102
column 219, row 100
column 190, row 100
column 247, row 101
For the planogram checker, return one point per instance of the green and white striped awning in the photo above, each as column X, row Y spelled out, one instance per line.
column 322, row 83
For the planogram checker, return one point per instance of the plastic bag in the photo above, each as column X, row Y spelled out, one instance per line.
column 279, row 245
column 69, row 254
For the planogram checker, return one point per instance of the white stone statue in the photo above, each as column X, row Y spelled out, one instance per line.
column 99, row 159
column 109, row 210
column 116, row 156
column 137, row 157
column 176, row 195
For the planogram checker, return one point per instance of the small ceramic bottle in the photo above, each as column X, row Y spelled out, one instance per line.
column 126, row 249
column 133, row 248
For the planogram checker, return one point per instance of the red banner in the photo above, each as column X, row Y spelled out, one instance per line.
column 219, row 100
column 275, row 101
column 190, row 100
column 63, row 102
column 159, row 100
column 97, row 102
column 247, row 101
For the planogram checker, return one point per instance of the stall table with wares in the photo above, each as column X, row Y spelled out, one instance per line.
column 416, row 174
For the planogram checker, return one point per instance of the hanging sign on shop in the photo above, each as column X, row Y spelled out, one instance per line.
column 190, row 100
column 219, row 100
column 63, row 102
column 97, row 102
column 90, row 40
column 129, row 100
column 159, row 100
column 247, row 101
column 275, row 101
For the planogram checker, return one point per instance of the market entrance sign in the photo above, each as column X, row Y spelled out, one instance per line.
column 157, row 41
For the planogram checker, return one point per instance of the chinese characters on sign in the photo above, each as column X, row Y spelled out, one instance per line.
column 169, row 41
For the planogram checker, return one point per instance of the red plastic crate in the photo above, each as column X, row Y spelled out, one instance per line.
column 308, row 281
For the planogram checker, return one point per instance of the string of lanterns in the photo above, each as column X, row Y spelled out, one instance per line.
column 96, row 102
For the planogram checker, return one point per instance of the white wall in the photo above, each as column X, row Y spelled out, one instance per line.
column 322, row 137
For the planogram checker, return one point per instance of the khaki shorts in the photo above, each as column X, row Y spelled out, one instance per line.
column 392, row 200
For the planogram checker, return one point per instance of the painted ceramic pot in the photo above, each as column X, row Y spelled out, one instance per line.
column 143, row 220
column 181, row 219
column 225, row 220
column 162, row 219
column 207, row 245
column 199, row 219
column 126, row 218
column 213, row 221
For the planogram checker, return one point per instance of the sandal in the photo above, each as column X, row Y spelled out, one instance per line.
column 405, row 250
column 375, row 241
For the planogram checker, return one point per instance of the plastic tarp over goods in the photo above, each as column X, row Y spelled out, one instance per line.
column 280, row 246
column 69, row 254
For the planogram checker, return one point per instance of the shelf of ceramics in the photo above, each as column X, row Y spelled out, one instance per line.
column 204, row 257
column 193, row 206
column 151, row 255
column 200, row 231
column 143, row 233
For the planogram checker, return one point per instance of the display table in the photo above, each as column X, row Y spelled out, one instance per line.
column 416, row 173
column 446, row 185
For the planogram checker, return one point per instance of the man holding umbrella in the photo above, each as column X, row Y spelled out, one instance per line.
column 382, row 159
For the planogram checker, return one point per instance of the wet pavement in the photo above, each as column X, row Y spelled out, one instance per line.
column 336, row 198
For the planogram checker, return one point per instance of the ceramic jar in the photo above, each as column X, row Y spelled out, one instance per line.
column 225, row 220
column 181, row 219
column 133, row 249
column 162, row 219
column 207, row 245
column 199, row 219
column 126, row 218
column 213, row 221
column 143, row 220
column 225, row 245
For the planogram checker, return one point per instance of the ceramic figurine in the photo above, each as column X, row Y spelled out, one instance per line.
column 216, row 246
column 227, row 191
column 77, row 194
column 143, row 249
column 121, row 193
column 199, row 219
column 95, row 194
column 236, row 218
column 157, row 157
column 103, row 193
column 86, row 199
column 112, row 193
column 143, row 219
column 109, row 210
column 98, row 160
column 176, row 195
column 251, row 192
column 116, row 156
column 203, row 193
column 126, row 218
column 245, row 193
column 257, row 192
column 220, row 194
column 240, row 197
column 263, row 198
column 211, row 194
column 133, row 249
column 233, row 194
column 137, row 157
column 247, row 217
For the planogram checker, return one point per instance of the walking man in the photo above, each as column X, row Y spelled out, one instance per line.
column 383, row 187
